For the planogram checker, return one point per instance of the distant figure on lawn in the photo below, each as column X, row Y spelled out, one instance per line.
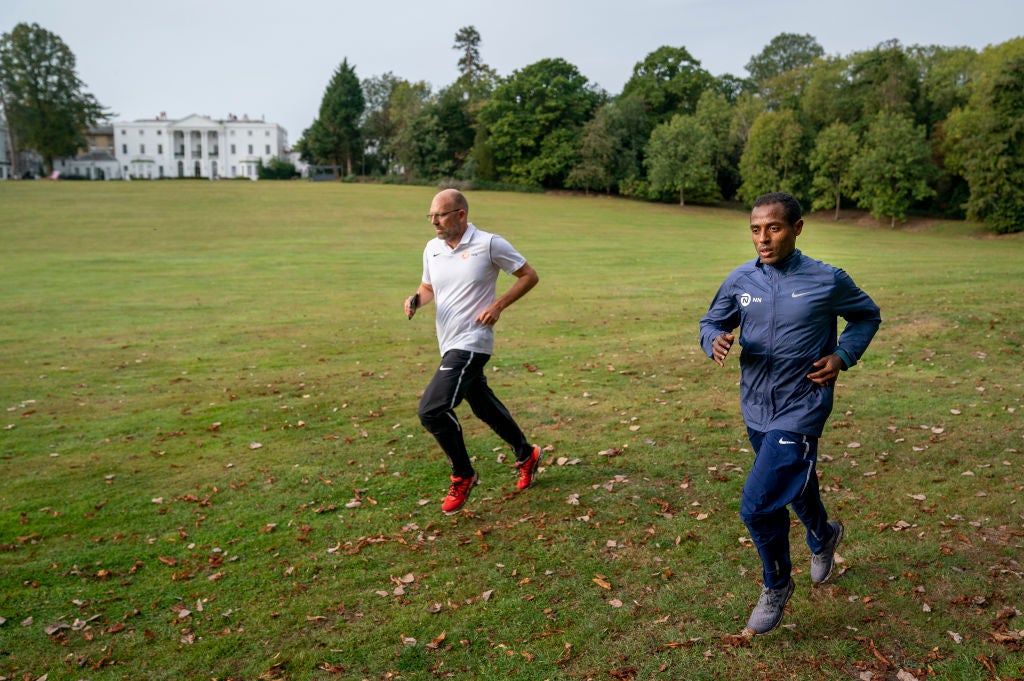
column 460, row 271
column 786, row 306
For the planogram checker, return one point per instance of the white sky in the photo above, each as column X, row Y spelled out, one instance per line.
column 273, row 59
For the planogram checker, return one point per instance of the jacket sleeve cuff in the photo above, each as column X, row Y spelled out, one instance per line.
column 848, row 359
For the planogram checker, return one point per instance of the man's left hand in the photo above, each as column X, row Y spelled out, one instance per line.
column 828, row 369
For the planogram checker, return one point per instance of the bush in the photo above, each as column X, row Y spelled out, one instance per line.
column 276, row 169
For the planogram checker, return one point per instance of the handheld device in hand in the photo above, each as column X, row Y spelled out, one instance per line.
column 414, row 304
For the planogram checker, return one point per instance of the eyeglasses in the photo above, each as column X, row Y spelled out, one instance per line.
column 431, row 216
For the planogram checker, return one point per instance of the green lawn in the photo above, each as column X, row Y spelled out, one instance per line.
column 212, row 466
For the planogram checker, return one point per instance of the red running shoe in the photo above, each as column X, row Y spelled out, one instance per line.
column 458, row 493
column 528, row 469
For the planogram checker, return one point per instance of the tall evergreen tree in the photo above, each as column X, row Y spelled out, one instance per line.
column 44, row 101
column 476, row 79
column 335, row 137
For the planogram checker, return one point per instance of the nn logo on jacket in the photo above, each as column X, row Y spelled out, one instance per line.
column 747, row 299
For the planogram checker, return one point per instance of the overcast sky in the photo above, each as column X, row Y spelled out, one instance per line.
column 273, row 59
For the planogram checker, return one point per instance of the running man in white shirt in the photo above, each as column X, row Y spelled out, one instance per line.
column 460, row 272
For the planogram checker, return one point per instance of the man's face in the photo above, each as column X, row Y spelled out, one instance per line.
column 774, row 238
column 447, row 220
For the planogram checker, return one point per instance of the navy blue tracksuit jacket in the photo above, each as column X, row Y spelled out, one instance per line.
column 787, row 316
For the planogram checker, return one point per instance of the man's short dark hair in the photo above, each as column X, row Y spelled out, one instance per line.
column 790, row 206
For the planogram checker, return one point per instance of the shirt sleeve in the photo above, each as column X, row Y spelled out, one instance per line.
column 504, row 255
column 426, row 267
column 862, row 315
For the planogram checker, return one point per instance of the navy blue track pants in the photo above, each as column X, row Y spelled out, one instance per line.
column 783, row 474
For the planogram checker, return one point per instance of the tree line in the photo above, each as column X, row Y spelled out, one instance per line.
column 892, row 129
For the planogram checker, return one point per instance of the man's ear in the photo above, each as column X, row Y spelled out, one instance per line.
column 798, row 226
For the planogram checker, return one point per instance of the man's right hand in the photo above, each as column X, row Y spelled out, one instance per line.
column 411, row 303
column 720, row 347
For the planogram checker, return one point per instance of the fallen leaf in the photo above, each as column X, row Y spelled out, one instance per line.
column 602, row 583
column 438, row 640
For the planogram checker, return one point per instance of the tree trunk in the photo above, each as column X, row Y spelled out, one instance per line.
column 681, row 201
column 10, row 138
column 837, row 206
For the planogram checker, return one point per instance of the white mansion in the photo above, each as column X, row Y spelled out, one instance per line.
column 195, row 146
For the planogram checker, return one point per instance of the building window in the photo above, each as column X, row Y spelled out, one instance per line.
column 232, row 148
column 250, row 149
column 159, row 132
column 267, row 134
column 161, row 172
column 141, row 132
column 124, row 148
column 268, row 148
column 142, row 148
column 159, row 148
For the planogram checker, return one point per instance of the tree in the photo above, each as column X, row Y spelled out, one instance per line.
column 407, row 103
column 827, row 95
column 893, row 167
column 43, row 99
column 533, row 122
column 945, row 77
column 437, row 141
column 335, row 136
column 680, row 158
column 612, row 147
column 377, row 126
column 985, row 140
column 476, row 79
column 595, row 169
column 884, row 79
column 668, row 81
column 834, row 151
column 786, row 52
column 716, row 114
column 773, row 158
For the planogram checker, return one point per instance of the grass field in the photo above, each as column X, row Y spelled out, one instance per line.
column 212, row 467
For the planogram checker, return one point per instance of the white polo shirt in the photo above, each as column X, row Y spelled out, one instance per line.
column 464, row 281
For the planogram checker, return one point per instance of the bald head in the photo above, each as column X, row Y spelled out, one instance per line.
column 452, row 198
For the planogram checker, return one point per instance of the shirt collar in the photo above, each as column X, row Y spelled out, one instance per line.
column 467, row 236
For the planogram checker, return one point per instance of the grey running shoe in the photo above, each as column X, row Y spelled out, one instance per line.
column 767, row 614
column 822, row 563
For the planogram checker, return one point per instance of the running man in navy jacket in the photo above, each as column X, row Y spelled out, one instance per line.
column 786, row 306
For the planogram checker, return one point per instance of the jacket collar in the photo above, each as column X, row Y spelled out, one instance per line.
column 786, row 265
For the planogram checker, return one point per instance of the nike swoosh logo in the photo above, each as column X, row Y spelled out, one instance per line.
column 445, row 368
column 786, row 442
column 800, row 295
